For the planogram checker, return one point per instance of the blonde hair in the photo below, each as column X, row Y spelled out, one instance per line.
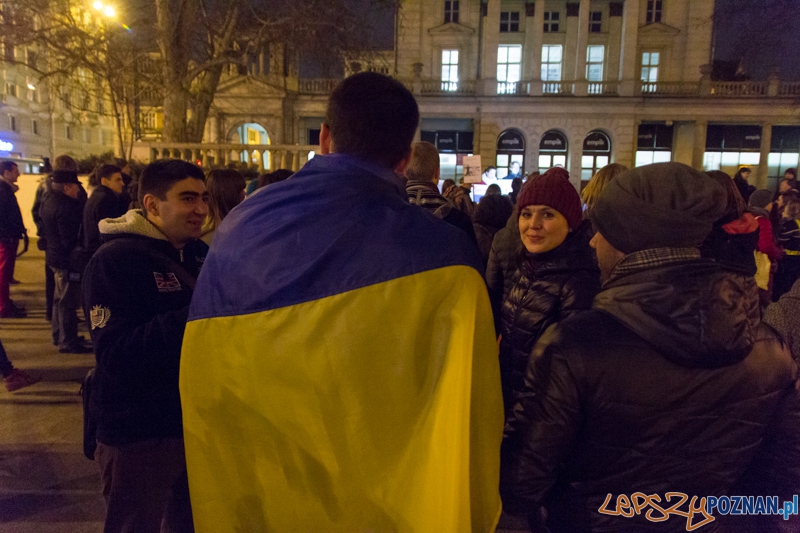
column 599, row 181
column 424, row 162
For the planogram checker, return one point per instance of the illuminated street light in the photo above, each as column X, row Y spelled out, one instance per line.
column 31, row 87
column 110, row 12
column 106, row 9
column 98, row 6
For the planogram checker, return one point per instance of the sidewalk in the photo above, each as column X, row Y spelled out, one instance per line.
column 46, row 484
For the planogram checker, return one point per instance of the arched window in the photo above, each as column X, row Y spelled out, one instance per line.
column 510, row 161
column 552, row 150
column 252, row 133
column 596, row 154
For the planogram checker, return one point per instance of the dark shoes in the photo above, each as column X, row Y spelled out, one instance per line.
column 76, row 348
column 18, row 379
column 13, row 311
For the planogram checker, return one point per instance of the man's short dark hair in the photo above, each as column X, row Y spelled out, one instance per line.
column 7, row 166
column 106, row 171
column 159, row 177
column 373, row 117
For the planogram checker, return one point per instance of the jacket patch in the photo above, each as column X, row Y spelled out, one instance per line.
column 99, row 316
column 167, row 282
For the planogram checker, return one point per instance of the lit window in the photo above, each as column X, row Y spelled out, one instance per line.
column 509, row 61
column 595, row 54
column 551, row 20
column 551, row 67
column 595, row 21
column 509, row 21
column 451, row 11
column 654, row 11
column 650, row 62
column 449, row 70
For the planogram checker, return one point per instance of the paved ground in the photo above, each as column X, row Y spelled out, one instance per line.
column 46, row 484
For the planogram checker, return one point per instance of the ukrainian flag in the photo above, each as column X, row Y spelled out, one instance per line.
column 339, row 367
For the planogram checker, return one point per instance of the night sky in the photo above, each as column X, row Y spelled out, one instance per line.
column 762, row 34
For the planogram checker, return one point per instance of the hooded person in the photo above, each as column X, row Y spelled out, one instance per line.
column 556, row 275
column 669, row 384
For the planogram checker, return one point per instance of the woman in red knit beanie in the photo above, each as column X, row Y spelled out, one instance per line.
column 556, row 274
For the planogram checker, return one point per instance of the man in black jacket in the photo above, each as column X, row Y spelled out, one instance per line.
column 61, row 214
column 670, row 385
column 11, row 231
column 106, row 201
column 137, row 291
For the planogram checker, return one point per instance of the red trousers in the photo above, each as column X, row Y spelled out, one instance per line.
column 8, row 257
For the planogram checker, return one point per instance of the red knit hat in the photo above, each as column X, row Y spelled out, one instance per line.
column 553, row 189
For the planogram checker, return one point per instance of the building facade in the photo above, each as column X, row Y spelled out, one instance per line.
column 547, row 82
column 39, row 118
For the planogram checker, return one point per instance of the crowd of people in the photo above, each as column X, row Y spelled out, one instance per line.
column 360, row 349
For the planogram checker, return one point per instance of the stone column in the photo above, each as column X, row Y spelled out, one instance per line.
column 528, row 45
column 762, row 172
column 288, row 160
column 615, row 10
column 581, row 86
column 570, row 45
column 534, row 53
column 629, row 50
column 699, row 149
column 491, row 40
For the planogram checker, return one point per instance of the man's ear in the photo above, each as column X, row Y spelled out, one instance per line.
column 325, row 141
column 401, row 167
column 150, row 204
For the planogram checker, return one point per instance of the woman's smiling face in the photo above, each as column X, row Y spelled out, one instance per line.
column 542, row 228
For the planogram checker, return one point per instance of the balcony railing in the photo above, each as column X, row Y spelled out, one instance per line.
column 317, row 86
column 673, row 89
column 291, row 156
column 670, row 88
column 739, row 88
column 604, row 88
column 439, row 87
column 789, row 88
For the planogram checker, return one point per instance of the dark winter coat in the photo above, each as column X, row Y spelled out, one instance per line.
column 545, row 289
column 137, row 307
column 62, row 217
column 103, row 203
column 11, row 226
column 502, row 262
column 733, row 244
column 670, row 383
column 485, row 235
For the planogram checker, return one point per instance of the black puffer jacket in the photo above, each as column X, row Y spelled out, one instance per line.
column 670, row 383
column 545, row 289
column 502, row 261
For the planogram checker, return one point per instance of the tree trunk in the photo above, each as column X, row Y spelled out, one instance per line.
column 175, row 20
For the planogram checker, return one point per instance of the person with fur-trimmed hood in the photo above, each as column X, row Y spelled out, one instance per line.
column 669, row 384
column 137, row 290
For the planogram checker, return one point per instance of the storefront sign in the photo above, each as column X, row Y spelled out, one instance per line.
column 596, row 141
column 446, row 141
column 511, row 141
column 553, row 141
column 736, row 138
column 656, row 137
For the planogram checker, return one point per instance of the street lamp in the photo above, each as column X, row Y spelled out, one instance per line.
column 107, row 9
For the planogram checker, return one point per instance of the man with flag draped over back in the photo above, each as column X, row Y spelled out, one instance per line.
column 339, row 368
